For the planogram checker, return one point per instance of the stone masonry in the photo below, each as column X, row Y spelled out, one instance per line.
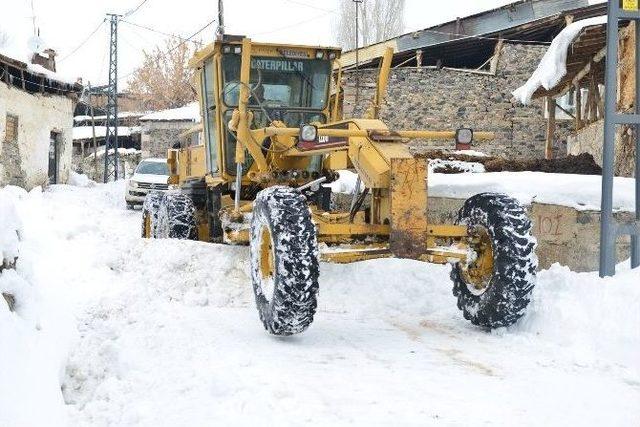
column 441, row 99
column 158, row 136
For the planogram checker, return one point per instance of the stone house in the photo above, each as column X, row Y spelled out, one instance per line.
column 163, row 129
column 462, row 73
column 36, row 121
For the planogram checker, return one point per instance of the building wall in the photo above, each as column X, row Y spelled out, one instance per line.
column 158, row 136
column 442, row 99
column 590, row 139
column 25, row 162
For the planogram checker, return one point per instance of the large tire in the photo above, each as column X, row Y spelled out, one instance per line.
column 505, row 293
column 177, row 218
column 150, row 211
column 286, row 295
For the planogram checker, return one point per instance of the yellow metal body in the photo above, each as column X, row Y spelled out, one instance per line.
column 396, row 223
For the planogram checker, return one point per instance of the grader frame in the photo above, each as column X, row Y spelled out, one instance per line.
column 397, row 224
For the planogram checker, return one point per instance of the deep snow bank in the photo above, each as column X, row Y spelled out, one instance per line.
column 33, row 338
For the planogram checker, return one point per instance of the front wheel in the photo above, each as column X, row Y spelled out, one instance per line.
column 494, row 286
column 177, row 218
column 284, row 260
column 150, row 210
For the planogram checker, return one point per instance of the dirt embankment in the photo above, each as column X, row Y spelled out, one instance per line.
column 582, row 164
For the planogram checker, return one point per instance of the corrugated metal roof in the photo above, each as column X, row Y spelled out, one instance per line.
column 461, row 43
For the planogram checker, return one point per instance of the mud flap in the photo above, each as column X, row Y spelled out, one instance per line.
column 408, row 237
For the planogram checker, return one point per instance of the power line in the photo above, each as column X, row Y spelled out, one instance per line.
column 77, row 48
column 176, row 46
column 132, row 11
column 312, row 6
column 322, row 15
column 144, row 27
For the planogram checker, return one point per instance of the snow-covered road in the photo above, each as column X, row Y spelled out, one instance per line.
column 168, row 335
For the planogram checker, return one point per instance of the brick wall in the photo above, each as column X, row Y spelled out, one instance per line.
column 442, row 99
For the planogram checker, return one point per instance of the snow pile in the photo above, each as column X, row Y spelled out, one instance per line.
column 10, row 227
column 455, row 166
column 553, row 66
column 80, row 180
column 34, row 339
column 580, row 192
column 591, row 317
column 190, row 112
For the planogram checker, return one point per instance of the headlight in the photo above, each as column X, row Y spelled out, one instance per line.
column 464, row 136
column 308, row 133
column 319, row 54
column 133, row 184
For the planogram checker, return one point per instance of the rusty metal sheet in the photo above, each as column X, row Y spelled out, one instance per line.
column 408, row 237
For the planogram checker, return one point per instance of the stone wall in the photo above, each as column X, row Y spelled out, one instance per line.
column 590, row 139
column 128, row 160
column 441, row 99
column 158, row 136
column 25, row 161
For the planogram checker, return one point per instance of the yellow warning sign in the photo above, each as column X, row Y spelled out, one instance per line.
column 630, row 5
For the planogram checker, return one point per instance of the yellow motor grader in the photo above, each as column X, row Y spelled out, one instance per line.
column 273, row 137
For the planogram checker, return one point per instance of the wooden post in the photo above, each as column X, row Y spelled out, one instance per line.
column 578, row 107
column 551, row 127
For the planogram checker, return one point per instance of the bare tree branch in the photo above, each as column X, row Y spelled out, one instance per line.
column 378, row 20
column 164, row 79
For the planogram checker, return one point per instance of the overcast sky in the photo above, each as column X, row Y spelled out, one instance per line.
column 64, row 24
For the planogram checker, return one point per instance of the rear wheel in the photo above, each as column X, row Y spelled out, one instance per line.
column 284, row 260
column 494, row 287
column 176, row 218
column 150, row 210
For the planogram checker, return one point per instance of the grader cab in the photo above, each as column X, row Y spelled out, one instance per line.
column 273, row 137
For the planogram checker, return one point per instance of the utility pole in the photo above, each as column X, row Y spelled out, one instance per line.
column 93, row 134
column 111, row 136
column 220, row 29
column 357, row 4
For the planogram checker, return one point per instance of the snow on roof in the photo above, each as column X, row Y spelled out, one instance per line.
column 86, row 132
column 121, row 151
column 581, row 192
column 154, row 160
column 553, row 66
column 190, row 112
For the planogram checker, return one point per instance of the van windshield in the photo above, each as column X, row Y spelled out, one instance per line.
column 153, row 168
column 279, row 82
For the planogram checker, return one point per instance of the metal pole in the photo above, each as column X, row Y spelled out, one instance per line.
column 357, row 2
column 608, row 226
column 635, row 240
column 111, row 136
column 220, row 29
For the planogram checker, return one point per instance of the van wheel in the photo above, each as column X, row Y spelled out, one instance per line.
column 494, row 288
column 284, row 260
column 177, row 218
column 150, row 211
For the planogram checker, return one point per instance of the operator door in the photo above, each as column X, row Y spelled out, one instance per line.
column 209, row 107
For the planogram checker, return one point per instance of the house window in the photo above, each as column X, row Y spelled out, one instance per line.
column 11, row 133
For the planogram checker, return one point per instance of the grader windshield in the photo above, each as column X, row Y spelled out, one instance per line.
column 279, row 83
column 292, row 90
